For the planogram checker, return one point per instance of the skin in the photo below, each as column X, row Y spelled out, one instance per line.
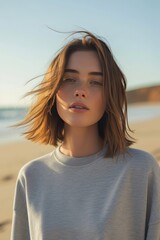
column 81, row 84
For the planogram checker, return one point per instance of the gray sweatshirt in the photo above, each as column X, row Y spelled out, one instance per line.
column 90, row 198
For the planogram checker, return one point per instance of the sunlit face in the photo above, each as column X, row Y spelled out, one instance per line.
column 80, row 100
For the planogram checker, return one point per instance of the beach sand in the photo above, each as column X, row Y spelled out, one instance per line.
column 15, row 155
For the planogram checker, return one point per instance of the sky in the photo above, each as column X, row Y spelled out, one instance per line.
column 27, row 45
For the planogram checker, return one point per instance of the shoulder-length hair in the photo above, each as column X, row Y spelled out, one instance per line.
column 44, row 125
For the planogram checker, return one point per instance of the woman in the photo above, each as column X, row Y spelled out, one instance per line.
column 92, row 185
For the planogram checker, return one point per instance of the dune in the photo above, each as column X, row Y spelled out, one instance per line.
column 145, row 94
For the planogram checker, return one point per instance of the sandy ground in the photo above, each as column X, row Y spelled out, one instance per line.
column 15, row 155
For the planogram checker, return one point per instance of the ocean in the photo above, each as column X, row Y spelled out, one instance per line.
column 13, row 115
column 139, row 113
column 8, row 117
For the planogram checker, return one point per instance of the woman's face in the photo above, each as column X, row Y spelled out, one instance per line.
column 80, row 100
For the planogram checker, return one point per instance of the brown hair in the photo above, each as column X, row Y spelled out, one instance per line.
column 43, row 122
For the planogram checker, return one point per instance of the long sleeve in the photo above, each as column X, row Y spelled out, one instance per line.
column 153, row 231
column 20, row 226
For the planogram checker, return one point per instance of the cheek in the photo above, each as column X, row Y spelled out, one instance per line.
column 100, row 102
column 60, row 96
column 63, row 96
column 61, row 104
column 58, row 105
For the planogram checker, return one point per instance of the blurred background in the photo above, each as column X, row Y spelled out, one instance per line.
column 27, row 47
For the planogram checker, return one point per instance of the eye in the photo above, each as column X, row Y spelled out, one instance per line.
column 95, row 82
column 68, row 80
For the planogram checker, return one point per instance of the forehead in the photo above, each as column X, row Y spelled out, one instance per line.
column 84, row 60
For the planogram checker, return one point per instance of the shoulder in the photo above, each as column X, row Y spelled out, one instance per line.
column 141, row 159
column 35, row 166
column 140, row 154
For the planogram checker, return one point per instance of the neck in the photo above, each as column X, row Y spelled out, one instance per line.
column 80, row 142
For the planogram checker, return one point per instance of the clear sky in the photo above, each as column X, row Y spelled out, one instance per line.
column 27, row 46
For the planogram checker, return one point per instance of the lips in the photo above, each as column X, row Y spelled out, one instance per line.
column 79, row 105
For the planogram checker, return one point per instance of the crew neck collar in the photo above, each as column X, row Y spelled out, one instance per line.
column 78, row 161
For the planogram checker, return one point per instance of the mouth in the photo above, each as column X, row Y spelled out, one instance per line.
column 79, row 105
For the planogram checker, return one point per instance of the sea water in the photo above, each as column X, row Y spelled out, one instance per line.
column 8, row 117
column 13, row 115
column 139, row 113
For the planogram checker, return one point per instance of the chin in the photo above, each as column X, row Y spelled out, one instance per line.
column 80, row 124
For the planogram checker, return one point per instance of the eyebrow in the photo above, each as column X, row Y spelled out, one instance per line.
column 90, row 73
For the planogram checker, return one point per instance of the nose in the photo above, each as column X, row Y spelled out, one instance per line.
column 80, row 93
column 81, row 89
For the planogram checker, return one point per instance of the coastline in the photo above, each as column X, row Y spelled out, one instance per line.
column 15, row 154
